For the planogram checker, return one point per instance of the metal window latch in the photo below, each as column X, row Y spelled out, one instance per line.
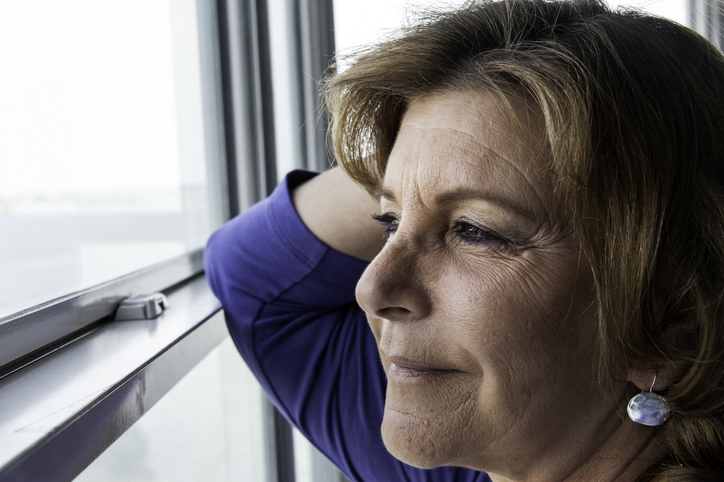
column 144, row 307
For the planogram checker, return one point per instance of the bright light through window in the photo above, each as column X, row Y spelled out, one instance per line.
column 363, row 23
column 102, row 148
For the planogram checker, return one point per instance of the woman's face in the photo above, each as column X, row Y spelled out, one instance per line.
column 481, row 301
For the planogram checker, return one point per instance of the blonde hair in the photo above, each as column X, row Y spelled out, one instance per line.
column 634, row 114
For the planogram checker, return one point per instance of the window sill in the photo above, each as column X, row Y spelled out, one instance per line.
column 59, row 413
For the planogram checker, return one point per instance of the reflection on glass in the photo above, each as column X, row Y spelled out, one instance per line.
column 208, row 427
column 103, row 156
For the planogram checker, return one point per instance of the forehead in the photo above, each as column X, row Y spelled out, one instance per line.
column 471, row 140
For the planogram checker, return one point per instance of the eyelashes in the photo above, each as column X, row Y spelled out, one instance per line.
column 387, row 220
column 464, row 231
column 469, row 233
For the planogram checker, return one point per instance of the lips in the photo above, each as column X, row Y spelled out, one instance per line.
column 404, row 368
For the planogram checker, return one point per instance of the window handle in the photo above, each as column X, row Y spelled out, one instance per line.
column 144, row 307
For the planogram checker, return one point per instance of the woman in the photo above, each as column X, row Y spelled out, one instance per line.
column 549, row 180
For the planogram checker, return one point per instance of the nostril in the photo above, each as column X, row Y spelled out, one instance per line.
column 393, row 313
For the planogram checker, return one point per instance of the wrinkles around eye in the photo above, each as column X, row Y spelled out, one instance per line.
column 461, row 230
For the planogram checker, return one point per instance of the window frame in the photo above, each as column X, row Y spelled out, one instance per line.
column 239, row 126
column 36, row 341
column 62, row 411
column 31, row 334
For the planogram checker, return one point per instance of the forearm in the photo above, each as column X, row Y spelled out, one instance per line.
column 338, row 212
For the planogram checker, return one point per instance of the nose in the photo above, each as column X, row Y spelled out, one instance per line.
column 393, row 286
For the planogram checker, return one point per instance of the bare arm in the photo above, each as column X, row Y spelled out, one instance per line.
column 338, row 212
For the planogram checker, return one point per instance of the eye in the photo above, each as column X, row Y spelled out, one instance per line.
column 471, row 234
column 388, row 220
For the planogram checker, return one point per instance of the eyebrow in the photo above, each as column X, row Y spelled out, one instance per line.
column 463, row 194
column 381, row 192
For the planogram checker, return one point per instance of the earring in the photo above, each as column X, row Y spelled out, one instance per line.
column 649, row 408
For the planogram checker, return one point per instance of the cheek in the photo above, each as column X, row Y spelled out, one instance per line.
column 376, row 327
column 528, row 311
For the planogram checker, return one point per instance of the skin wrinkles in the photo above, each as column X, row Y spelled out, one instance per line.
column 549, row 219
column 493, row 151
column 508, row 325
column 458, row 196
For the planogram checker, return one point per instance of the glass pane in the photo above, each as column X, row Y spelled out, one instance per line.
column 104, row 164
column 208, row 427
column 363, row 23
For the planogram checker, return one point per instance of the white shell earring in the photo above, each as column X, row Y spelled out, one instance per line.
column 649, row 408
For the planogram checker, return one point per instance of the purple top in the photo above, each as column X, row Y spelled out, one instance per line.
column 290, row 307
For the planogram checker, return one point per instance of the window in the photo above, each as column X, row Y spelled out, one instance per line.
column 217, row 436
column 113, row 175
column 130, row 131
column 107, row 162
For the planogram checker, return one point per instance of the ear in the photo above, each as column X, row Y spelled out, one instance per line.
column 682, row 336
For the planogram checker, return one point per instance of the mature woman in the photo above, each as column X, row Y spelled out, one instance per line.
column 545, row 302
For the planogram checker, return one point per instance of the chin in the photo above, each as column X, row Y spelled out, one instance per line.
column 414, row 442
